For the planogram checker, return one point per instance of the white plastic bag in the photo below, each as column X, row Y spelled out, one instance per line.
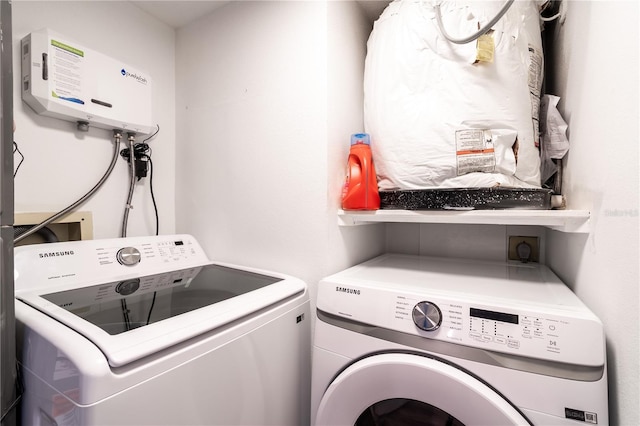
column 423, row 92
column 553, row 129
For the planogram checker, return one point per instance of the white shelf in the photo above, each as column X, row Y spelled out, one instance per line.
column 561, row 220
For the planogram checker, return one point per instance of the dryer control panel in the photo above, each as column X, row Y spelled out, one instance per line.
column 544, row 334
column 539, row 334
column 527, row 313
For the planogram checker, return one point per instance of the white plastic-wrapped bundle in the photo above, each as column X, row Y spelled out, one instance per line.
column 444, row 115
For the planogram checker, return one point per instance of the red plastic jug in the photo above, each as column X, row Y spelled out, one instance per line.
column 360, row 190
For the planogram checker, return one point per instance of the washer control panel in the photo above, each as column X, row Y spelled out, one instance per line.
column 80, row 263
column 164, row 251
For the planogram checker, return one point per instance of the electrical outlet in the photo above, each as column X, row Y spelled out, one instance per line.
column 514, row 241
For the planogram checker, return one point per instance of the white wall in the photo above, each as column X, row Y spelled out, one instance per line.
column 485, row 242
column 266, row 100
column 597, row 75
column 347, row 31
column 62, row 164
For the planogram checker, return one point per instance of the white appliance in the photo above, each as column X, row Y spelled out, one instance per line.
column 61, row 78
column 431, row 341
column 148, row 331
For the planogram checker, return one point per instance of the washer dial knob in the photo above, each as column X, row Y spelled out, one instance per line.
column 427, row 316
column 128, row 256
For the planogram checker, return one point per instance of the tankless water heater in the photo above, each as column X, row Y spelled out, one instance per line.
column 63, row 79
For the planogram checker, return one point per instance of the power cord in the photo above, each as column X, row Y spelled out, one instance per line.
column 550, row 18
column 16, row 149
column 141, row 154
column 142, row 166
column 551, row 6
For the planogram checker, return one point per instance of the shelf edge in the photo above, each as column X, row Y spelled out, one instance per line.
column 574, row 221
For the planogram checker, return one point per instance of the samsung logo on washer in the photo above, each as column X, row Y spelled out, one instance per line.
column 348, row 290
column 56, row 254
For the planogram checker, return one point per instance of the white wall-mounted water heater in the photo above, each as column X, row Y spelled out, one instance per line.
column 63, row 79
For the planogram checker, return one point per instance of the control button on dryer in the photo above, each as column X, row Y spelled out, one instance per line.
column 427, row 316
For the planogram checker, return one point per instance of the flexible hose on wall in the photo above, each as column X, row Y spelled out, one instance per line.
column 117, row 136
column 46, row 233
column 132, row 184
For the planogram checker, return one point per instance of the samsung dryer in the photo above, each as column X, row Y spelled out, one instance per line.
column 410, row 340
column 148, row 331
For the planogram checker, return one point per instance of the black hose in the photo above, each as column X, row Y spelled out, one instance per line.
column 46, row 233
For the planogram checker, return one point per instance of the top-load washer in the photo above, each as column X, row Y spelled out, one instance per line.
column 411, row 340
column 147, row 330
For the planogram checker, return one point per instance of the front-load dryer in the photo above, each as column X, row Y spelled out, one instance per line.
column 411, row 340
column 148, row 331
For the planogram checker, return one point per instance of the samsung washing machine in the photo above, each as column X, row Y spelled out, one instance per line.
column 410, row 340
column 148, row 331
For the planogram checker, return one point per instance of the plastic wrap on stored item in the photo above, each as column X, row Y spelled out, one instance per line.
column 553, row 135
column 426, row 98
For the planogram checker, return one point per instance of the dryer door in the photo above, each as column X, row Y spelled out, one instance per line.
column 407, row 389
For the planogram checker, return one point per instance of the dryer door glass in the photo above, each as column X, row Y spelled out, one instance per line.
column 401, row 388
column 405, row 412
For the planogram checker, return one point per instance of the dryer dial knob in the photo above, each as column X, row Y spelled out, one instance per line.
column 128, row 256
column 427, row 316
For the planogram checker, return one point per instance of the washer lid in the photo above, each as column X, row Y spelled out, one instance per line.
column 138, row 316
column 395, row 378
